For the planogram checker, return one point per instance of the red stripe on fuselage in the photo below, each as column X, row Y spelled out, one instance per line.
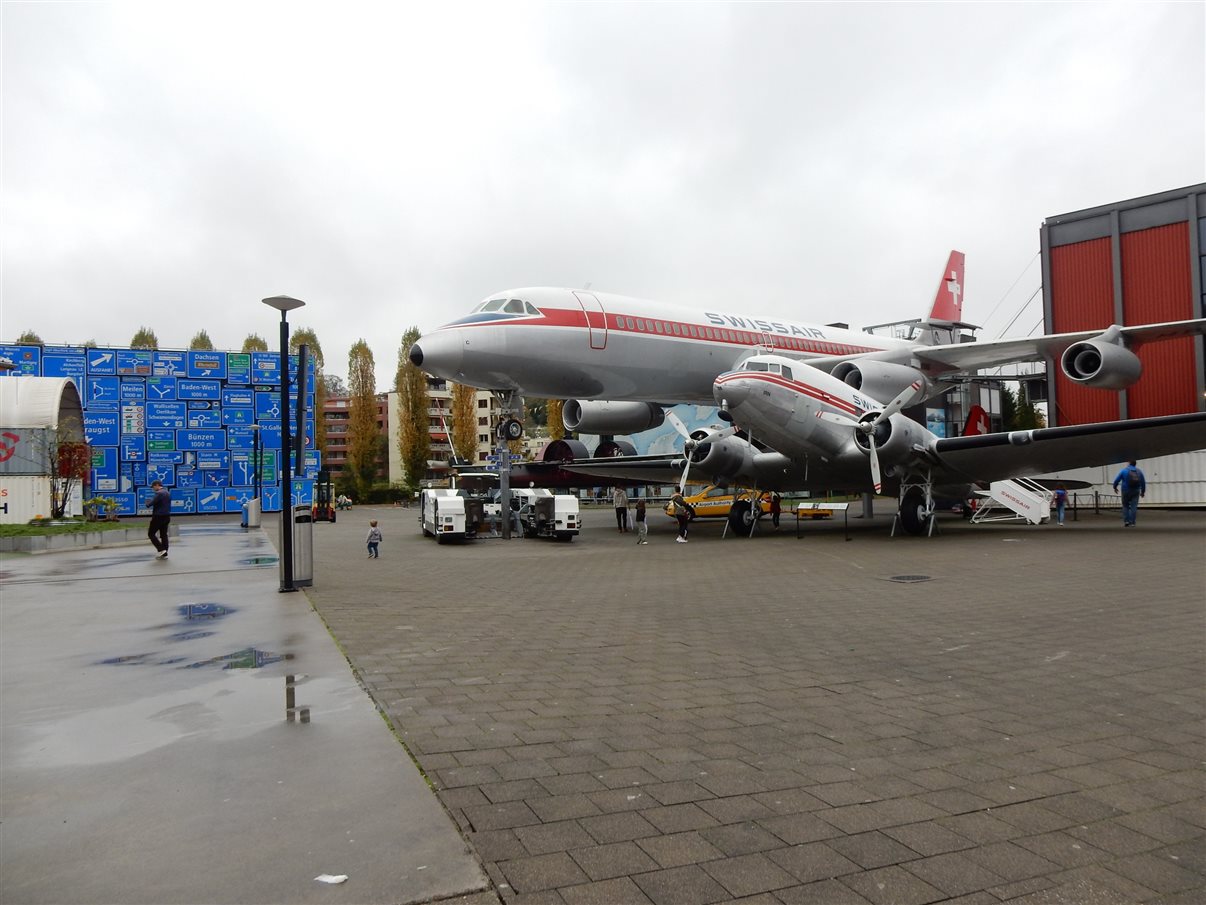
column 575, row 317
column 796, row 386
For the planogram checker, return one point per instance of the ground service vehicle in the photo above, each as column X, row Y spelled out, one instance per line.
column 545, row 514
column 445, row 514
column 716, row 502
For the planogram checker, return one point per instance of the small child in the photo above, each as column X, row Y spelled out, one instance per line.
column 374, row 538
column 642, row 526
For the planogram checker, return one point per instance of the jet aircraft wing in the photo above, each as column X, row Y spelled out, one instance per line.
column 977, row 355
column 634, row 469
column 994, row 457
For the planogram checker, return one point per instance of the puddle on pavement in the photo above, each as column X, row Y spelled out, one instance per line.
column 247, row 658
column 259, row 561
column 196, row 611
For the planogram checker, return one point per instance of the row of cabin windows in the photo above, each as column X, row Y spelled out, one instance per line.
column 673, row 328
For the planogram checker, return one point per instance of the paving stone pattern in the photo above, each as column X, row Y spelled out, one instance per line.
column 773, row 721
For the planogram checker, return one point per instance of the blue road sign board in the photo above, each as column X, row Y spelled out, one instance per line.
column 238, row 398
column 72, row 365
column 102, row 427
column 164, row 473
column 183, row 501
column 101, row 391
column 268, row 406
column 133, row 448
column 166, row 457
column 204, row 418
column 127, row 503
column 211, row 499
column 265, row 367
column 28, row 360
column 198, row 389
column 238, row 368
column 132, row 388
column 134, row 362
column 270, row 435
column 234, row 498
column 237, row 416
column 270, row 496
column 167, row 414
column 240, row 438
column 303, row 493
column 161, row 389
column 102, row 361
column 160, row 440
column 189, row 477
column 201, row 439
column 169, row 364
column 104, row 468
column 207, row 364
column 215, row 478
column 214, row 458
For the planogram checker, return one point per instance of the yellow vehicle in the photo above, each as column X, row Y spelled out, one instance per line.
column 717, row 502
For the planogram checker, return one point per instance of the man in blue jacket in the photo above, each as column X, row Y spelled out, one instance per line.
column 1132, row 485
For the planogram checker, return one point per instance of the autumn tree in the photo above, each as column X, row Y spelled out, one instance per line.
column 306, row 337
column 201, row 342
column 464, row 422
column 145, row 338
column 333, row 385
column 362, row 416
column 556, row 425
column 254, row 343
column 29, row 338
column 414, row 438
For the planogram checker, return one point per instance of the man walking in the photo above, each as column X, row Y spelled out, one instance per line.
column 1133, row 485
column 619, row 499
column 161, row 515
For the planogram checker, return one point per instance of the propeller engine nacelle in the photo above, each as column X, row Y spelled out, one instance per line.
column 896, row 438
column 723, row 458
column 602, row 417
column 1100, row 363
column 879, row 379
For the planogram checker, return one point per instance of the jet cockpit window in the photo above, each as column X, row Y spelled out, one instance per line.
column 787, row 372
column 492, row 305
column 514, row 306
column 531, row 309
column 756, row 366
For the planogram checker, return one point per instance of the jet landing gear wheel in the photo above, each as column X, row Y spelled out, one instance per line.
column 914, row 514
column 511, row 429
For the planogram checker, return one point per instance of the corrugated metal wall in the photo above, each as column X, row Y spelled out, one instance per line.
column 1083, row 288
column 1156, row 287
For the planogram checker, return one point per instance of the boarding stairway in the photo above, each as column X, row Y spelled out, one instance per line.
column 1020, row 498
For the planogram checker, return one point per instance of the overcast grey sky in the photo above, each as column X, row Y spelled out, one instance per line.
column 170, row 164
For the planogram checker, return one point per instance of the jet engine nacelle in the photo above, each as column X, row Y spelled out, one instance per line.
column 722, row 458
column 896, row 439
column 1102, row 364
column 880, row 380
column 611, row 417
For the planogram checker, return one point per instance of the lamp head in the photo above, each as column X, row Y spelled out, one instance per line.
column 283, row 303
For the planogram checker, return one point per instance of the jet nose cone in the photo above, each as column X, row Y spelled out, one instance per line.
column 439, row 353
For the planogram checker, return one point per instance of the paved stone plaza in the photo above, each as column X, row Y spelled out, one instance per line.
column 776, row 721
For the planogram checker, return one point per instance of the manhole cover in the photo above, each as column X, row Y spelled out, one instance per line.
column 910, row 579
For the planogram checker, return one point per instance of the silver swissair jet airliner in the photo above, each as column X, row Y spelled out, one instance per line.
column 812, row 407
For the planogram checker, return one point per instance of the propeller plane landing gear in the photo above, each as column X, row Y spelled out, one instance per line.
column 915, row 514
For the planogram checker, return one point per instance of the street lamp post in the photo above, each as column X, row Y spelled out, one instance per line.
column 284, row 304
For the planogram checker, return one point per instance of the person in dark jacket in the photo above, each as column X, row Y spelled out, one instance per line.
column 161, row 516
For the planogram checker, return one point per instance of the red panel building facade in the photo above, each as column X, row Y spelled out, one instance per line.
column 1134, row 262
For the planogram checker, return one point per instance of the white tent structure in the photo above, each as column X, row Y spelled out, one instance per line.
column 36, row 414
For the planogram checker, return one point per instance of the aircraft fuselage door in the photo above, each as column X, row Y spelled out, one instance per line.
column 596, row 318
